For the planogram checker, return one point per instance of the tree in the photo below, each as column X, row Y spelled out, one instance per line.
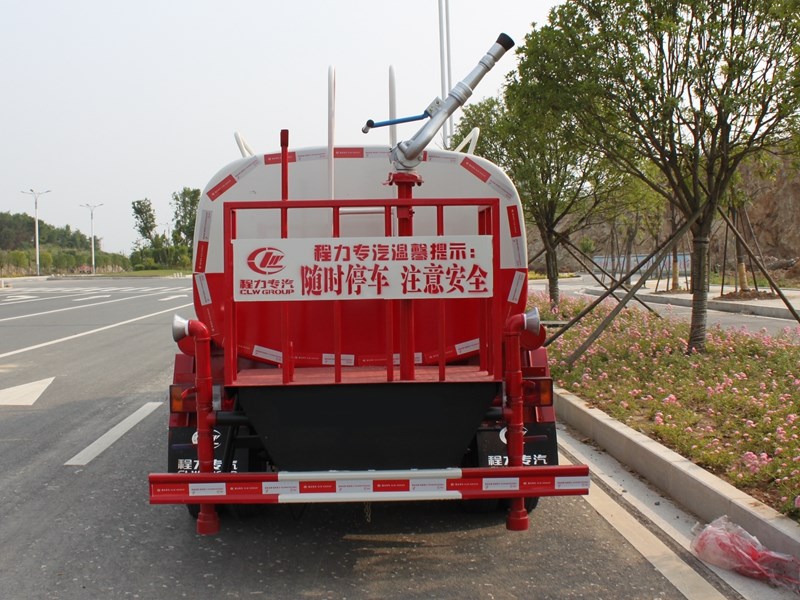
column 562, row 184
column 692, row 86
column 145, row 218
column 184, row 205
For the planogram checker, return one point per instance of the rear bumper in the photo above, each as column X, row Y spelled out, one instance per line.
column 368, row 486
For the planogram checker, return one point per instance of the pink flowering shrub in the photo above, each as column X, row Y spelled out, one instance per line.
column 733, row 409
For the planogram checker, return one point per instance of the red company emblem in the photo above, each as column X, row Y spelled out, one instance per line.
column 266, row 261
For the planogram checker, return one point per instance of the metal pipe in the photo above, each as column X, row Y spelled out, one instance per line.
column 406, row 154
column 243, row 147
column 392, row 106
column 331, row 129
column 517, row 516
column 207, row 520
column 443, row 64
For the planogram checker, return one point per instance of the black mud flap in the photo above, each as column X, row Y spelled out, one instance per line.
column 493, row 452
column 182, row 454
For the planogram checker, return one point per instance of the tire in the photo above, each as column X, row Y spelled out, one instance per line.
column 530, row 504
column 480, row 507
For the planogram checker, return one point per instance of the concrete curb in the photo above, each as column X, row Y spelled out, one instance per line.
column 700, row 492
column 742, row 307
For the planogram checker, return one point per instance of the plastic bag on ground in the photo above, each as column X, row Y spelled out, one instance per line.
column 727, row 545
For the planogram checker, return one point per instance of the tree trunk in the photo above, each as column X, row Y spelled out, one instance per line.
column 741, row 271
column 697, row 333
column 676, row 279
column 551, row 260
column 741, row 267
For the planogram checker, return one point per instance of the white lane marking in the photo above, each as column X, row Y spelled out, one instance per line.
column 91, row 331
column 25, row 394
column 91, row 298
column 93, row 450
column 680, row 575
column 172, row 297
column 42, row 293
column 56, row 310
column 42, row 298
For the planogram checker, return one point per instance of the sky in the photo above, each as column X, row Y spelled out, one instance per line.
column 105, row 102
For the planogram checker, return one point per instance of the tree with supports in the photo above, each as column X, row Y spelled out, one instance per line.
column 563, row 185
column 693, row 87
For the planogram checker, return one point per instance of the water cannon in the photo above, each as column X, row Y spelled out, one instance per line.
column 406, row 155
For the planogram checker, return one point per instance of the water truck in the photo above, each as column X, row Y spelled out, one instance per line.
column 361, row 334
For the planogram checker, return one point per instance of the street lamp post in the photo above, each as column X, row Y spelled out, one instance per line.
column 36, row 195
column 91, row 208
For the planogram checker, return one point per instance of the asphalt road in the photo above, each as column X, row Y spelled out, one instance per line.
column 75, row 520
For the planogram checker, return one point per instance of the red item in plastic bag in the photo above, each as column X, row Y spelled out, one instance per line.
column 727, row 545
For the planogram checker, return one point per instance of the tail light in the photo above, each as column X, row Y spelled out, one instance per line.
column 182, row 398
column 537, row 391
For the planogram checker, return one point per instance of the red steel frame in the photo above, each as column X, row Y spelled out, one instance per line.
column 500, row 357
column 491, row 312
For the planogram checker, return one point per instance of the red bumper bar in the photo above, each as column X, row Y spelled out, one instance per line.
column 368, row 486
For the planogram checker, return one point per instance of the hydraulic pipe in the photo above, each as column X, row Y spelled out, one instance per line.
column 207, row 519
column 517, row 515
column 406, row 154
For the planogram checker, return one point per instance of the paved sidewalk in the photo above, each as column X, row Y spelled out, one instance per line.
column 774, row 307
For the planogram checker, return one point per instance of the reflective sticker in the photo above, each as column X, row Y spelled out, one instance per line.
column 280, row 487
column 207, row 489
column 417, row 358
column 246, row 168
column 205, row 225
column 201, row 256
column 354, row 486
column 268, row 353
column 477, row 170
column 519, row 252
column 512, row 213
column 500, row 484
column 439, row 157
column 428, row 485
column 201, row 283
column 516, row 287
column 469, row 346
column 348, row 153
column 275, row 159
column 501, row 187
column 312, row 155
column 572, row 483
column 222, row 187
column 391, row 485
column 348, row 360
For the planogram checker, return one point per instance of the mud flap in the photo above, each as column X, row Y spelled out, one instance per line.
column 182, row 453
column 542, row 451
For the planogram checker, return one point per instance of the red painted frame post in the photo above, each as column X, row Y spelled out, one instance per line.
column 517, row 515
column 405, row 182
column 207, row 519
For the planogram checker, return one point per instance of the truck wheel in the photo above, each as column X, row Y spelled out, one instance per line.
column 531, row 503
column 479, row 507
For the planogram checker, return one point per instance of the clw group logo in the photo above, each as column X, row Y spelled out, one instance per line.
column 266, row 261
